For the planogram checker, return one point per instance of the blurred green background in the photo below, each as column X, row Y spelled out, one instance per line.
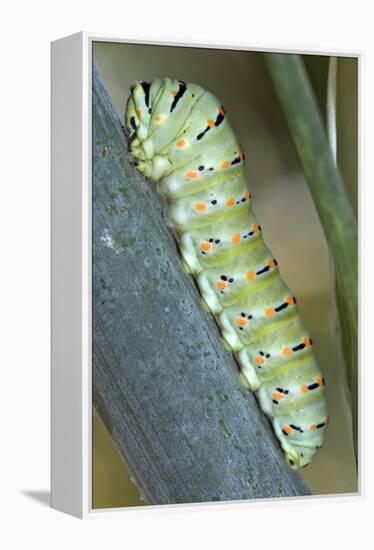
column 284, row 207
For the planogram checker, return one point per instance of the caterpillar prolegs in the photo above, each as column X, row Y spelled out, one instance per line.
column 180, row 138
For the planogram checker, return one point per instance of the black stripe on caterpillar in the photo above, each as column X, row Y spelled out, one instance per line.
column 181, row 139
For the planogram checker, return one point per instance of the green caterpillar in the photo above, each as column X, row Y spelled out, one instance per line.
column 179, row 137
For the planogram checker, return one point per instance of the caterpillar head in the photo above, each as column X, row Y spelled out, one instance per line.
column 135, row 108
column 137, row 125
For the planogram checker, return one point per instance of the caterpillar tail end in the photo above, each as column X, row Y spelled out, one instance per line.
column 297, row 457
column 293, row 459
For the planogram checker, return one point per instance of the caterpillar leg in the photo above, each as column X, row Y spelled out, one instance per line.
column 244, row 380
column 186, row 267
column 248, row 372
column 225, row 344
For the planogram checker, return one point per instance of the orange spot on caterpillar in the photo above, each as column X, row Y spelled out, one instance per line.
column 250, row 275
column 277, row 396
column 307, row 342
column 235, row 239
column 221, row 285
column 225, row 164
column 290, row 300
column 139, row 112
column 192, row 175
column 286, row 350
column 271, row 263
column 241, row 321
column 230, row 202
column 259, row 360
column 270, row 312
column 211, row 123
column 313, row 427
column 255, row 228
column 174, row 93
column 304, row 388
column 200, row 207
column 181, row 143
column 205, row 246
column 246, row 196
column 319, row 381
column 287, row 429
column 221, row 110
column 158, row 118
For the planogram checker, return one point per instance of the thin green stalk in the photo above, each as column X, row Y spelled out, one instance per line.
column 331, row 127
column 331, row 105
column 330, row 197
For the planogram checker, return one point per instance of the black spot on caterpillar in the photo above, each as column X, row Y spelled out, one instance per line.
column 180, row 138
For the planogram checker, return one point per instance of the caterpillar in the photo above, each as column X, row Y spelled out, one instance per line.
column 180, row 138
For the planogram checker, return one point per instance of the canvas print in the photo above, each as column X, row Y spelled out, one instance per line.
column 224, row 275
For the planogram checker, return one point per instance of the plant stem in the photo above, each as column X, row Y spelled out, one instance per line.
column 331, row 105
column 330, row 197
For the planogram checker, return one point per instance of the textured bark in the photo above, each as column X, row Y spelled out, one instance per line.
column 163, row 383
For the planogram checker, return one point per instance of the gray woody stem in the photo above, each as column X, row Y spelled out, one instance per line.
column 162, row 381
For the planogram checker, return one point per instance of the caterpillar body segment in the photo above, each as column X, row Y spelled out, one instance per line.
column 181, row 139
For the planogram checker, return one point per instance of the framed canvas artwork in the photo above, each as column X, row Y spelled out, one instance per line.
column 204, row 275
